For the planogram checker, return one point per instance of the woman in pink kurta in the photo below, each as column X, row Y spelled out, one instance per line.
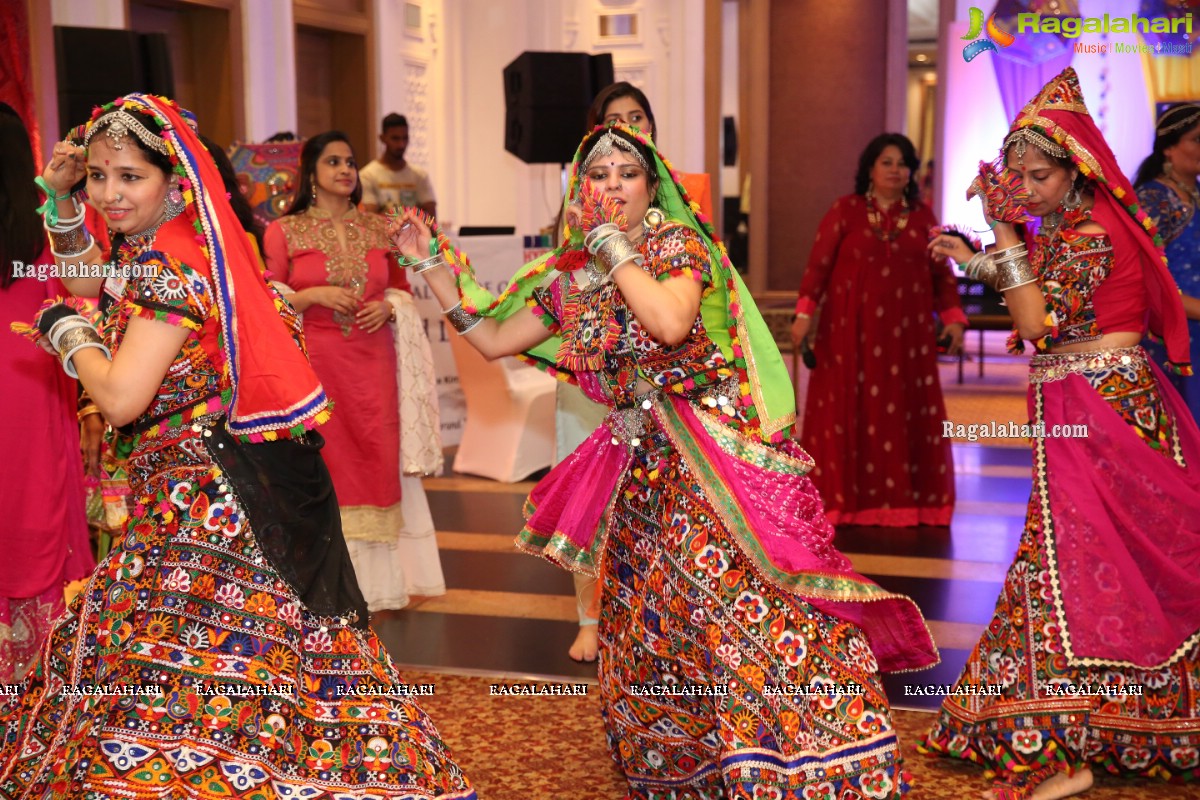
column 45, row 535
column 44, row 539
column 337, row 264
column 873, row 420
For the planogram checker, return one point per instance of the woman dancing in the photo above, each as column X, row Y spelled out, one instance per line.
column 739, row 653
column 221, row 648
column 1091, row 657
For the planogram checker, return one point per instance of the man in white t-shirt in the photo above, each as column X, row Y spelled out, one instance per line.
column 390, row 182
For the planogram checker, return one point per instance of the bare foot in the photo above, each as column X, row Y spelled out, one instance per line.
column 1055, row 787
column 586, row 644
column 1062, row 785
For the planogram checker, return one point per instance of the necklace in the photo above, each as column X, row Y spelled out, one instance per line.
column 876, row 219
column 1191, row 192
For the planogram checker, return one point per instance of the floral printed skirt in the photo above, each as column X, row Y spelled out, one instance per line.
column 718, row 684
column 189, row 667
column 1051, row 685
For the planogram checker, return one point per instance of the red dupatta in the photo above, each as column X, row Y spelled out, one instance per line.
column 275, row 391
column 1059, row 113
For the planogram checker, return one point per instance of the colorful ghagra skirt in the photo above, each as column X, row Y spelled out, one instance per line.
column 1093, row 655
column 221, row 649
column 717, row 681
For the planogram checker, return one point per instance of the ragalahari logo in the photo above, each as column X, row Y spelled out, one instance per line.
column 996, row 36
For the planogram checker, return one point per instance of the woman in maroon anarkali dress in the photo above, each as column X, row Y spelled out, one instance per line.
column 873, row 418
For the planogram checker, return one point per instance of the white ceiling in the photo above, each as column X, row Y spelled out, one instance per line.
column 922, row 20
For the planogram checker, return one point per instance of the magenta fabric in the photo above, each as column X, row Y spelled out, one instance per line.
column 45, row 535
column 572, row 499
column 784, row 515
column 1128, row 561
column 786, row 533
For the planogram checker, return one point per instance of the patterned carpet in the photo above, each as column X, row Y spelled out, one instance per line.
column 552, row 747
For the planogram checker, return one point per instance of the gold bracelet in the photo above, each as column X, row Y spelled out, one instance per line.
column 87, row 411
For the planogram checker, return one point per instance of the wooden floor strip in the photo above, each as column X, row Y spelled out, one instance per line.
column 467, row 483
column 955, row 635
column 870, row 563
column 558, row 608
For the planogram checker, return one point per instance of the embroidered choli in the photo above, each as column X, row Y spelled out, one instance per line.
column 601, row 336
column 171, row 291
column 1074, row 270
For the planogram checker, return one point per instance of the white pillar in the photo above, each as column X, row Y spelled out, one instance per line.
column 269, row 55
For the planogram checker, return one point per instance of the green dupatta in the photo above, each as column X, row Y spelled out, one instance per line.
column 730, row 316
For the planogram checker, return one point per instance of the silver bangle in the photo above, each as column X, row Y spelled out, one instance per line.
column 1013, row 273
column 615, row 251
column 1010, row 254
column 460, row 320
column 69, row 365
column 70, row 243
column 598, row 234
column 981, row 267
column 64, row 326
column 433, row 262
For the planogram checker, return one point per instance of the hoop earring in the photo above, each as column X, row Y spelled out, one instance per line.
column 1072, row 200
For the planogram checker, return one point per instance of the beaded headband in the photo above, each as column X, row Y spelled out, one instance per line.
column 1020, row 139
column 1186, row 122
column 607, row 145
column 117, row 126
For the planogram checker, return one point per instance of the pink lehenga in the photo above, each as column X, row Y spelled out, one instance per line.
column 1093, row 654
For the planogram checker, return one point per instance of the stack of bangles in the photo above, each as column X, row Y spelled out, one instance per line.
column 71, row 334
column 611, row 247
column 459, row 319
column 68, row 237
column 1003, row 269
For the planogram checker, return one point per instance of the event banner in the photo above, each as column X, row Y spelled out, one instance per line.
column 495, row 259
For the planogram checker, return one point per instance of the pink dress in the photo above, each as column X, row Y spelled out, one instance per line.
column 45, row 535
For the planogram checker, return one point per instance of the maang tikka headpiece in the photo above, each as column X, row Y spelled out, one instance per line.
column 118, row 125
column 1020, row 139
column 608, row 144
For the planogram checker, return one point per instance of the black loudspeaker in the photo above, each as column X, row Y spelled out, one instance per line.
column 156, row 65
column 546, row 98
column 731, row 142
column 97, row 65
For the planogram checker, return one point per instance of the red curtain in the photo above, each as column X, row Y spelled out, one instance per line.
column 16, row 76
